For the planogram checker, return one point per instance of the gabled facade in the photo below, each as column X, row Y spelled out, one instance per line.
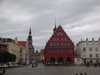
column 59, row 48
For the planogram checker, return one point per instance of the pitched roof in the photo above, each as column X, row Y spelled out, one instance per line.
column 22, row 43
column 59, row 37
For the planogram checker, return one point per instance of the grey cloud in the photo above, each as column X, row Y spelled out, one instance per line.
column 16, row 17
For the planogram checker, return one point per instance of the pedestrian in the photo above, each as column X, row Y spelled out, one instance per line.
column 81, row 73
column 76, row 74
column 4, row 71
column 85, row 73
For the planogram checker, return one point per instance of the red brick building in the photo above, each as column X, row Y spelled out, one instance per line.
column 59, row 48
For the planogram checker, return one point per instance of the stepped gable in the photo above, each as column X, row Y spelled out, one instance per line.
column 59, row 37
column 59, row 48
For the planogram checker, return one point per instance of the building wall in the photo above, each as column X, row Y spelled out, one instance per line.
column 3, row 47
column 14, row 49
column 59, row 47
column 23, row 52
column 23, row 55
column 89, row 50
column 19, row 49
column 11, row 47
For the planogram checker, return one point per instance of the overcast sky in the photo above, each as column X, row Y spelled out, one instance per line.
column 79, row 18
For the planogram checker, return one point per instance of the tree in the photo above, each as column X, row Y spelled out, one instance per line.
column 7, row 57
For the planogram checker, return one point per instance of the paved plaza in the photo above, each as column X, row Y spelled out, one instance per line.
column 53, row 70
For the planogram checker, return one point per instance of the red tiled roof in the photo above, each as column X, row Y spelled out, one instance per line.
column 22, row 43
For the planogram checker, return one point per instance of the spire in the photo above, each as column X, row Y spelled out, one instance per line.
column 55, row 26
column 30, row 31
column 55, row 21
column 30, row 35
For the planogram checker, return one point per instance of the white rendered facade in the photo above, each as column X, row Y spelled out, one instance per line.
column 89, row 50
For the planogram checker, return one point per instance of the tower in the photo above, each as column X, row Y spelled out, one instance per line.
column 54, row 30
column 30, row 47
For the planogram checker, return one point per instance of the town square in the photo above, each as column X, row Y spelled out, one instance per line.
column 56, row 37
column 54, row 70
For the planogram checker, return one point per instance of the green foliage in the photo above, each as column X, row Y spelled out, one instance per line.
column 7, row 57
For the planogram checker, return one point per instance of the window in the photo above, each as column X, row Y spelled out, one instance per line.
column 51, row 44
column 96, row 49
column 57, row 44
column 84, row 56
column 62, row 39
column 97, row 55
column 20, row 50
column 65, row 44
column 91, row 55
column 84, row 49
column 62, row 44
column 57, row 39
column 90, row 49
column 60, row 34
